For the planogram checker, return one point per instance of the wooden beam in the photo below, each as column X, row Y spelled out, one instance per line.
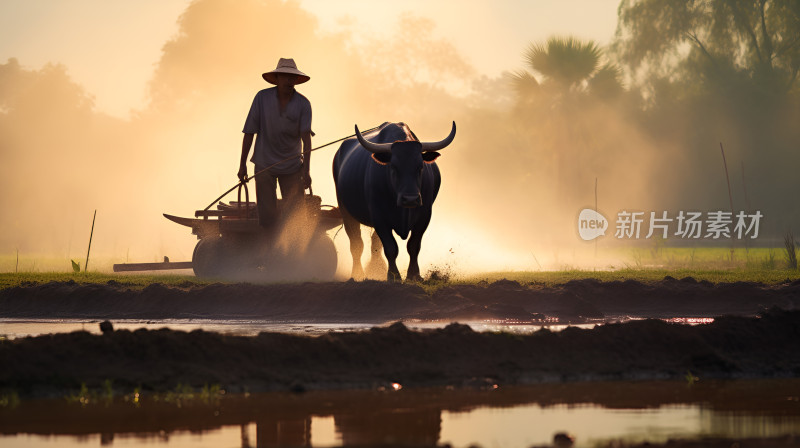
column 163, row 266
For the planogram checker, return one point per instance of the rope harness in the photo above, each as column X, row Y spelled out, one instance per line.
column 243, row 184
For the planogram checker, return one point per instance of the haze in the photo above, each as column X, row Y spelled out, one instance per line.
column 136, row 109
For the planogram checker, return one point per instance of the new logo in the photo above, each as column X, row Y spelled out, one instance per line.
column 591, row 224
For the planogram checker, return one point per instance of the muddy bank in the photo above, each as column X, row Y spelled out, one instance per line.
column 371, row 301
column 730, row 347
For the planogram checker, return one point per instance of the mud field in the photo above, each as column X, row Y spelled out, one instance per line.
column 758, row 338
column 371, row 301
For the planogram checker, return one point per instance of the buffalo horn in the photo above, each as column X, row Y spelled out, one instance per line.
column 372, row 147
column 435, row 146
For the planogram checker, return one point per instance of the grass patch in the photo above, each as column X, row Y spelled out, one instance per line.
column 551, row 278
column 134, row 281
column 9, row 400
column 704, row 258
column 182, row 395
column 791, row 250
column 547, row 278
column 652, row 264
column 714, row 264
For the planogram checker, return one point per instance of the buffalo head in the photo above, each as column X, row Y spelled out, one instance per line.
column 406, row 161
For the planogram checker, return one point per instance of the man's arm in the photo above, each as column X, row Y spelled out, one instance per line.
column 247, row 142
column 306, row 139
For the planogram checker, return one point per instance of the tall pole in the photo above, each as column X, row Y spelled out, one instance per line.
column 747, row 203
column 744, row 186
column 86, row 265
column 730, row 196
column 596, row 211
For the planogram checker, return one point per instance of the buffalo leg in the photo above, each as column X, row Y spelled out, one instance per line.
column 376, row 267
column 353, row 230
column 391, row 251
column 414, row 246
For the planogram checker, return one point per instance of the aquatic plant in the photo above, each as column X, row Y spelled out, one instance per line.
column 83, row 396
column 791, row 250
column 10, row 400
column 108, row 392
column 690, row 378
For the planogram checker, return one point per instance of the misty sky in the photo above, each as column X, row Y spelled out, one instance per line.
column 188, row 139
column 111, row 47
column 199, row 61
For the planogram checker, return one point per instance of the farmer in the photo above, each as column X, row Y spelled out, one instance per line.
column 281, row 118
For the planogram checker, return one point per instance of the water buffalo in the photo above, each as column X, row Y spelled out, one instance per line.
column 387, row 180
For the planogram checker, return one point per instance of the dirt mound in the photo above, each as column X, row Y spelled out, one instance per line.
column 370, row 301
column 730, row 347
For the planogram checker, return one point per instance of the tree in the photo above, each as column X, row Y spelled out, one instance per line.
column 25, row 91
column 56, row 152
column 566, row 66
column 712, row 71
column 713, row 40
column 565, row 97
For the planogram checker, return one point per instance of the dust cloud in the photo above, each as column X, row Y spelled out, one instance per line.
column 514, row 180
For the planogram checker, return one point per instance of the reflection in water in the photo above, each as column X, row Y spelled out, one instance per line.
column 20, row 328
column 227, row 436
column 590, row 425
column 737, row 425
column 535, row 425
column 512, row 416
column 273, row 433
column 366, row 427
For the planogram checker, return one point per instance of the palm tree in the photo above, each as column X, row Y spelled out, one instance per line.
column 564, row 79
column 566, row 65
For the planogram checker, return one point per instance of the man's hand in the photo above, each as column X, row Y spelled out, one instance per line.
column 306, row 139
column 247, row 142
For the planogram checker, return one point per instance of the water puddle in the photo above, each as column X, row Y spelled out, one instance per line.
column 19, row 328
column 594, row 414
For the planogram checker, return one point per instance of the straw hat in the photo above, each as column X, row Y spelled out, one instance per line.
column 285, row 65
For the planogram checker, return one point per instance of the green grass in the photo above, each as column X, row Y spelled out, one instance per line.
column 644, row 275
column 547, row 278
column 11, row 279
column 650, row 264
column 764, row 265
column 715, row 264
column 708, row 258
column 182, row 395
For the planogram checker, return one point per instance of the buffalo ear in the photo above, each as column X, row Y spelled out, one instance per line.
column 430, row 156
column 382, row 158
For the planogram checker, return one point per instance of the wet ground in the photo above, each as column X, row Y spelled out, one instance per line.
column 158, row 360
column 377, row 302
column 706, row 413
column 317, row 336
column 523, row 359
column 19, row 328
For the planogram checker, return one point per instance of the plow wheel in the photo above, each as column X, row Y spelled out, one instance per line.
column 321, row 258
column 213, row 257
column 249, row 259
column 316, row 262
